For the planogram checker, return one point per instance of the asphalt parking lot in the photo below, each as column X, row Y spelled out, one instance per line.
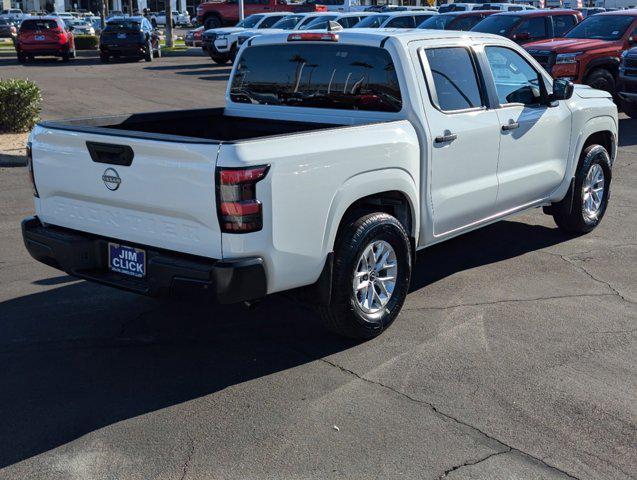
column 515, row 356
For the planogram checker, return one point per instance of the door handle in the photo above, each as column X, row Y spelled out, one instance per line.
column 510, row 126
column 110, row 153
column 450, row 137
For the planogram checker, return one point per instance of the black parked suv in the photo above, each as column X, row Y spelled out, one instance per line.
column 627, row 89
column 129, row 37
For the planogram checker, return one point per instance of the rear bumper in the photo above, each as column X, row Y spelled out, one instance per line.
column 167, row 273
column 132, row 50
column 52, row 50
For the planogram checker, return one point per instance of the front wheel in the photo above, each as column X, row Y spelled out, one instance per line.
column 372, row 269
column 590, row 194
column 601, row 79
column 219, row 60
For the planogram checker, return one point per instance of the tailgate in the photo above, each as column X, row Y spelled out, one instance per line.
column 165, row 198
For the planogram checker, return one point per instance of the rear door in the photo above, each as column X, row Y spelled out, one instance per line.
column 139, row 191
column 466, row 139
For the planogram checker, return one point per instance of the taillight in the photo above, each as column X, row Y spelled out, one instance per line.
column 30, row 169
column 313, row 37
column 238, row 209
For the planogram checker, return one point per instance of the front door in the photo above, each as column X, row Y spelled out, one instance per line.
column 465, row 139
column 534, row 143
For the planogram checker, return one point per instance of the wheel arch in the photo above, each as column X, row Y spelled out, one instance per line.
column 391, row 191
column 213, row 13
column 609, row 63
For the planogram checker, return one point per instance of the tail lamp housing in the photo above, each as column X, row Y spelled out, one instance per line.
column 238, row 209
column 30, row 170
column 313, row 37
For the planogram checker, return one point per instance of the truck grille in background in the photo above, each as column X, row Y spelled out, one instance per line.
column 546, row 59
column 631, row 67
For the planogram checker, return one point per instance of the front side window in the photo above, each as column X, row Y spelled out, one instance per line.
column 455, row 83
column 401, row 22
column 269, row 21
column 562, row 24
column 437, row 22
column 602, row 27
column 373, row 21
column 250, row 22
column 344, row 77
column 288, row 23
column 531, row 28
column 465, row 24
column 497, row 24
column 515, row 80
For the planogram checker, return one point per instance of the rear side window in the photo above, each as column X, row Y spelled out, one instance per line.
column 562, row 24
column 29, row 25
column 454, row 78
column 344, row 77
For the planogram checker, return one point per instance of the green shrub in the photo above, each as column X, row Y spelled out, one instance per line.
column 86, row 42
column 20, row 105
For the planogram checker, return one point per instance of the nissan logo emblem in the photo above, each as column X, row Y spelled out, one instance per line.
column 111, row 179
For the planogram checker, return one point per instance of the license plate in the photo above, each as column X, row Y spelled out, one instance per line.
column 39, row 37
column 127, row 260
column 121, row 35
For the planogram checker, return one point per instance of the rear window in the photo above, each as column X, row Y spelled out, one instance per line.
column 344, row 77
column 122, row 25
column 29, row 25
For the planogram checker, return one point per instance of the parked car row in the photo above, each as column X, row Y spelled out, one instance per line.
column 569, row 46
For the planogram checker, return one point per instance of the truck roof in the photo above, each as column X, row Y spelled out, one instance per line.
column 539, row 13
column 377, row 35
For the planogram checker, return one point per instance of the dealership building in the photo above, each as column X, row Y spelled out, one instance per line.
column 95, row 5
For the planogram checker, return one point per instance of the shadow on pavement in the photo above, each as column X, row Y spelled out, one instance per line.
column 81, row 357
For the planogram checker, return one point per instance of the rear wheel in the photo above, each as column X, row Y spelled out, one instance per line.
column 66, row 56
column 157, row 53
column 372, row 269
column 72, row 53
column 22, row 58
column 211, row 22
column 104, row 58
column 601, row 79
column 590, row 194
column 219, row 60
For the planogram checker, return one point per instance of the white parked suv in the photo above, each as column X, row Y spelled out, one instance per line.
column 336, row 158
column 159, row 20
column 221, row 45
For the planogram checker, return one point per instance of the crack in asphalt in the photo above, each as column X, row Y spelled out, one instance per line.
column 511, row 300
column 189, row 454
column 446, row 416
column 584, row 270
column 470, row 463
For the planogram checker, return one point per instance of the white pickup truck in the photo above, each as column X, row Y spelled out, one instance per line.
column 337, row 156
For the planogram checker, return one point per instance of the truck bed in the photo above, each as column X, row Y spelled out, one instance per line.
column 209, row 125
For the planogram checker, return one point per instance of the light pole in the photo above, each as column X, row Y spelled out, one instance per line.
column 169, row 23
column 241, row 14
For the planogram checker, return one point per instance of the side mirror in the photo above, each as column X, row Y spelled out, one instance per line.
column 562, row 90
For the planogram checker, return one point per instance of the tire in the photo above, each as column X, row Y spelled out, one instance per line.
column 219, row 60
column 104, row 58
column 577, row 219
column 212, row 22
column 157, row 53
column 148, row 55
column 66, row 56
column 22, row 58
column 346, row 315
column 629, row 108
column 72, row 53
column 601, row 79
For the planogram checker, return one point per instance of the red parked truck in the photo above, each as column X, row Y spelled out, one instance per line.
column 217, row 13
column 590, row 52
